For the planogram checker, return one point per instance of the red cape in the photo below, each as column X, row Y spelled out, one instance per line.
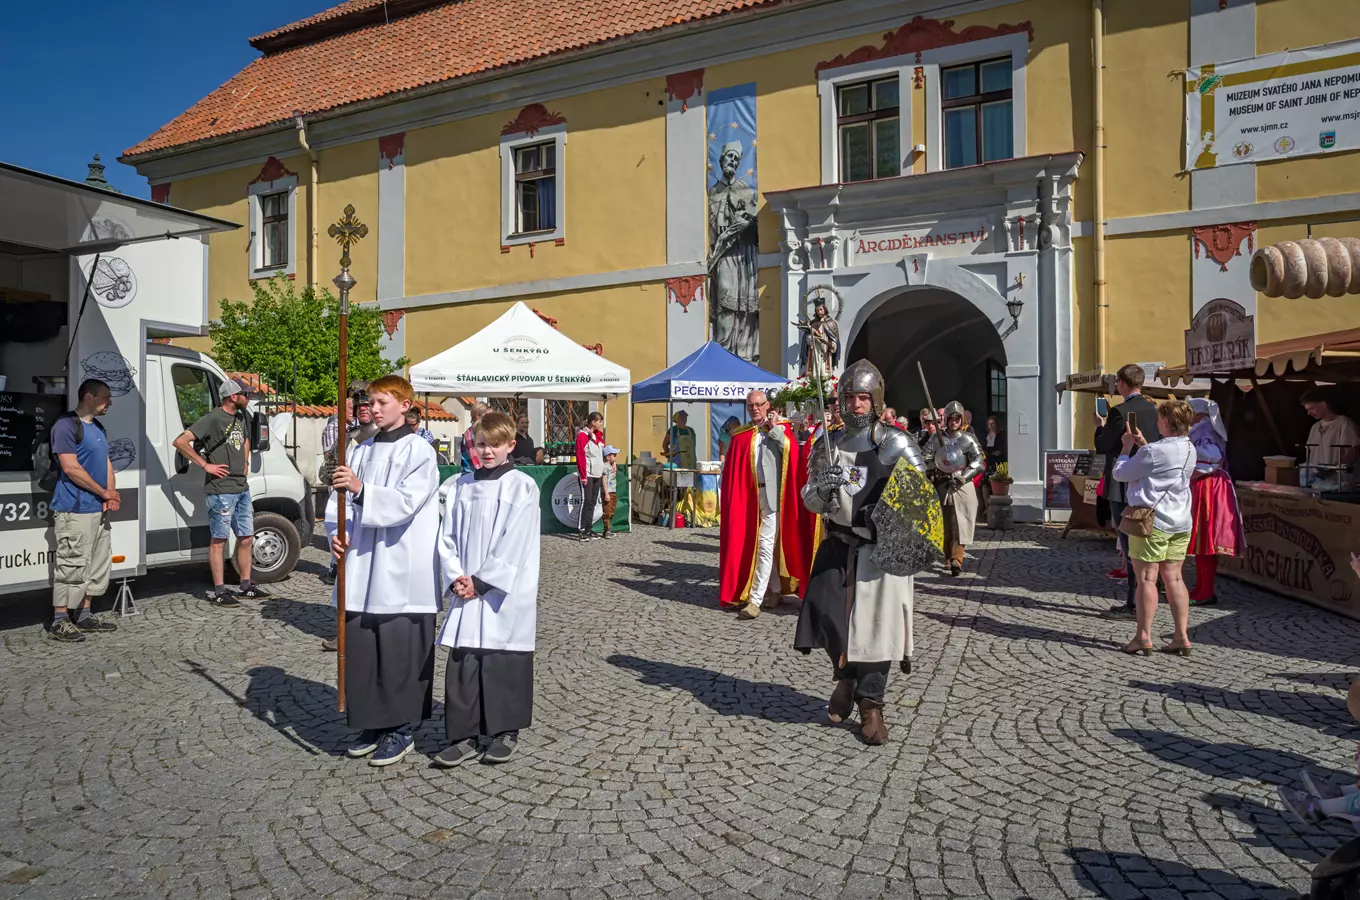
column 740, row 521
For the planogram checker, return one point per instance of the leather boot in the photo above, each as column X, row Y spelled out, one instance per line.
column 842, row 701
column 872, row 728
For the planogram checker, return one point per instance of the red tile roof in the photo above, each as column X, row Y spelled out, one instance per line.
column 432, row 411
column 365, row 49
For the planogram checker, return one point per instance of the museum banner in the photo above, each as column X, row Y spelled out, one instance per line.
column 733, row 234
column 1294, row 103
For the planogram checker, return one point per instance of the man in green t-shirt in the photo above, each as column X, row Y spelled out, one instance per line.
column 219, row 444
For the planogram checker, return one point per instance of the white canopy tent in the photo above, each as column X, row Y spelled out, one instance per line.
column 519, row 355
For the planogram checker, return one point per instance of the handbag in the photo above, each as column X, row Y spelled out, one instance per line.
column 1138, row 521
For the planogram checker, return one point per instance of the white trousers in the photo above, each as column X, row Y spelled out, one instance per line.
column 765, row 547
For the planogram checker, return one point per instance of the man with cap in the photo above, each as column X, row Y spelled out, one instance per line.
column 733, row 258
column 219, row 444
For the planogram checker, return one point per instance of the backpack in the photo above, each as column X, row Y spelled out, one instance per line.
column 46, row 468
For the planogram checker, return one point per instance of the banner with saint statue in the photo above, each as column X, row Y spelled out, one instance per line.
column 733, row 237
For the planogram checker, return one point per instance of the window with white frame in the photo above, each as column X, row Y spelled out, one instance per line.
column 976, row 102
column 533, row 191
column 868, row 129
column 273, row 237
column 535, row 188
column 274, row 224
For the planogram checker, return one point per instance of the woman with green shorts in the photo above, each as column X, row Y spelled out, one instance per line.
column 1158, row 476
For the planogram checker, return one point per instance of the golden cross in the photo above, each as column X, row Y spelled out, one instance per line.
column 347, row 232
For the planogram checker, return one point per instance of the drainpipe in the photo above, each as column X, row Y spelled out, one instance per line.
column 1098, row 164
column 311, row 198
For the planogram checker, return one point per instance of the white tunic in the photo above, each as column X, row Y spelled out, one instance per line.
column 392, row 564
column 491, row 532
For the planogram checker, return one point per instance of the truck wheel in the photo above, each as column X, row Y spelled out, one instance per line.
column 276, row 548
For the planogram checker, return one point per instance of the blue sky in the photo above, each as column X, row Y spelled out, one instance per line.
column 83, row 78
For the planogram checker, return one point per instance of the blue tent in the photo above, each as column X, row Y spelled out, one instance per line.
column 711, row 374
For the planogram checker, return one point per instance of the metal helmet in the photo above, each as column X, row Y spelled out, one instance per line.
column 954, row 408
column 861, row 376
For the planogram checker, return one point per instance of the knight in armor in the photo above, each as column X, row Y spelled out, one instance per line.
column 957, row 459
column 853, row 609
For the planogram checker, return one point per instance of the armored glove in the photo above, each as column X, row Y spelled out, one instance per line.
column 828, row 483
column 958, row 479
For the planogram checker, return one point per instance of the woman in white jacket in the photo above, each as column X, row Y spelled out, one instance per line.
column 1158, row 476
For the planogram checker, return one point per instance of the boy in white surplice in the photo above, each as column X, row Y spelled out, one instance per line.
column 392, row 590
column 488, row 549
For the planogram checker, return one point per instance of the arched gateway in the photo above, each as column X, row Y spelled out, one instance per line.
column 968, row 271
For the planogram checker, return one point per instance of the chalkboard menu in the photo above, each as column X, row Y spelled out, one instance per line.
column 24, row 421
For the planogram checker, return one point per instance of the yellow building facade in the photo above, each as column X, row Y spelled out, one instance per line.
column 931, row 171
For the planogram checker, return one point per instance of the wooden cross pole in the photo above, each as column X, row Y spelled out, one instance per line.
column 346, row 232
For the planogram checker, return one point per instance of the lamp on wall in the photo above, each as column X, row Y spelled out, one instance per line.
column 1015, row 306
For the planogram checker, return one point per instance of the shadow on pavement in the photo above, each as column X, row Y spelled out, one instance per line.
column 1280, row 831
column 1239, row 761
column 301, row 710
column 1011, row 601
column 305, row 713
column 316, row 619
column 687, row 548
column 726, row 695
column 692, row 583
column 1122, row 875
column 987, row 625
column 1325, row 712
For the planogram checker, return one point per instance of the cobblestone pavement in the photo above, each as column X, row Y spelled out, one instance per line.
column 677, row 751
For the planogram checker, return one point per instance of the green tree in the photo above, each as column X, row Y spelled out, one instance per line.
column 284, row 325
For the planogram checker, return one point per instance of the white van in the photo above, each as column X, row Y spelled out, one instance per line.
column 91, row 284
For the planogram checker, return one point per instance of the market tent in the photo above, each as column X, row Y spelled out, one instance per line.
column 1336, row 352
column 519, row 355
column 711, row 374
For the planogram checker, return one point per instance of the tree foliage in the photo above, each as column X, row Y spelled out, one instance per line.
column 285, row 325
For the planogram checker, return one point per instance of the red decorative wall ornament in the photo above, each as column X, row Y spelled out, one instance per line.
column 684, row 289
column 683, row 85
column 532, row 119
column 918, row 78
column 560, row 242
column 160, row 193
column 165, row 341
column 1223, row 242
column 597, row 349
column 273, row 170
column 1222, row 5
column 923, row 34
column 531, row 249
column 391, row 318
column 547, row 318
column 390, row 146
column 505, row 248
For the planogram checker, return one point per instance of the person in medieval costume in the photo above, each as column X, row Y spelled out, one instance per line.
column 823, row 331
column 1217, row 529
column 957, row 459
column 733, row 258
column 853, row 608
column 765, row 536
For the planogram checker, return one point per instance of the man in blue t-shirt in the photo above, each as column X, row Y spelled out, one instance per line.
column 83, row 498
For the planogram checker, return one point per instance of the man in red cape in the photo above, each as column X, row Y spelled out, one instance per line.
column 766, row 529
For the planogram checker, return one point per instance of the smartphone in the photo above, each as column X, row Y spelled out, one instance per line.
column 1133, row 423
column 1103, row 407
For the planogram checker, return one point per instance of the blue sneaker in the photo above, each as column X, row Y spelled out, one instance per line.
column 393, row 747
column 365, row 744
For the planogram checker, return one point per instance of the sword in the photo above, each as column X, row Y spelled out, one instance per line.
column 926, row 388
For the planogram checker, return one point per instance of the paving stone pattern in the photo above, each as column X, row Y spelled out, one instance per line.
column 679, row 752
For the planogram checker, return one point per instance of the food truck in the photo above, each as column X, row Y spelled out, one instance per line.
column 92, row 282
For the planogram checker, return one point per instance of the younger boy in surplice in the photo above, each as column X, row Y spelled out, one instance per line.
column 391, row 576
column 488, row 549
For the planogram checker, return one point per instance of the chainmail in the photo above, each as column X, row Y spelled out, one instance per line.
column 858, row 420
